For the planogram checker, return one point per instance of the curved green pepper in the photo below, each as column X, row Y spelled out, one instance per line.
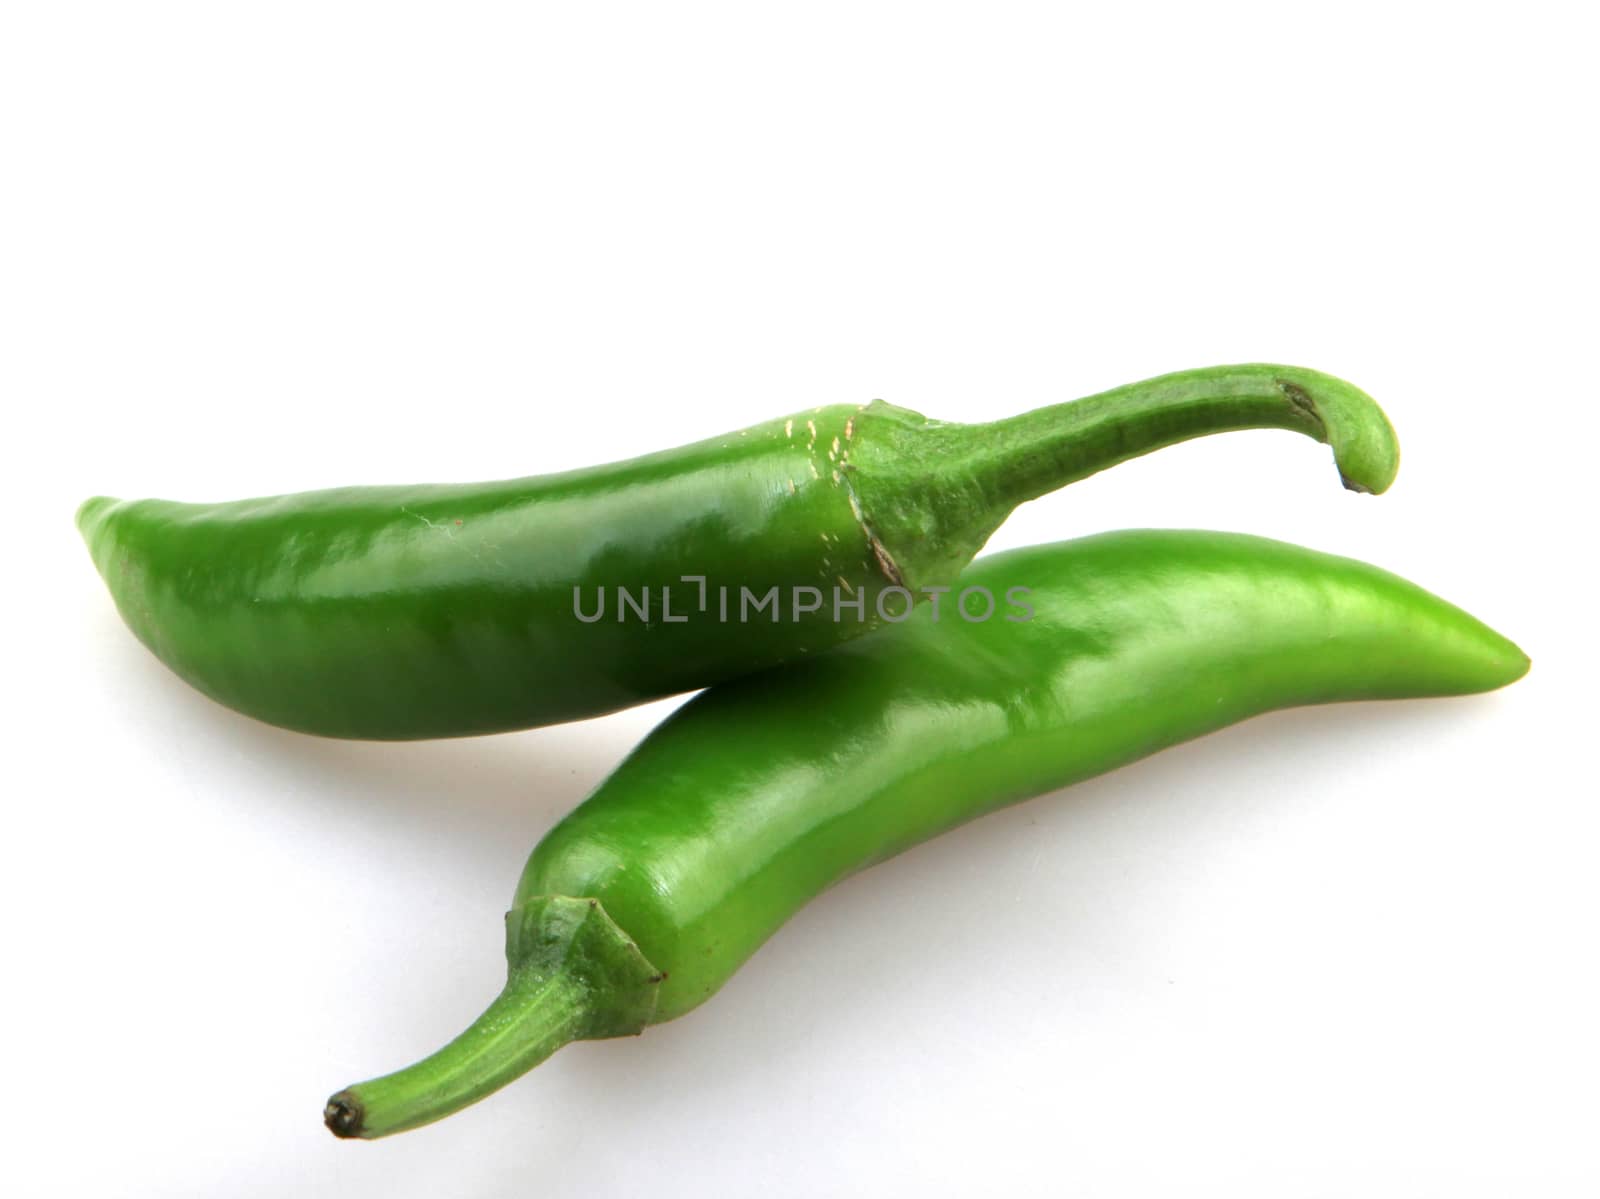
column 757, row 795
column 406, row 612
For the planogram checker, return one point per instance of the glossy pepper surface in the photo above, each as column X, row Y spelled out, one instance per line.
column 757, row 795
column 435, row 611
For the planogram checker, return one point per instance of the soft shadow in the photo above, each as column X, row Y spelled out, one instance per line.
column 918, row 920
column 489, row 786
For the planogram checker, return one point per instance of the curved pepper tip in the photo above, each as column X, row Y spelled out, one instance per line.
column 1484, row 659
column 89, row 513
column 1517, row 662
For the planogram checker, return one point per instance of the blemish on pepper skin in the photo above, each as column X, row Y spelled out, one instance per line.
column 811, row 427
column 788, row 427
column 845, row 583
column 849, row 428
column 836, row 478
column 813, row 467
column 1300, row 398
column 890, row 568
column 792, row 488
column 834, row 452
column 426, row 521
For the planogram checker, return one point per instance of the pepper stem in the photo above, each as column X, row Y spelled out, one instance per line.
column 574, row 976
column 964, row 480
column 1028, row 455
column 532, row 1018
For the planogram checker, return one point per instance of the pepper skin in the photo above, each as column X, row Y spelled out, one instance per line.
column 393, row 613
column 756, row 796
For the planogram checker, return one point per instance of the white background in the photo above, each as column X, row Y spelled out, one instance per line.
column 260, row 248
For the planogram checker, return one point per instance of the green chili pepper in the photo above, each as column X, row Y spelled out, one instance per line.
column 405, row 612
column 757, row 795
